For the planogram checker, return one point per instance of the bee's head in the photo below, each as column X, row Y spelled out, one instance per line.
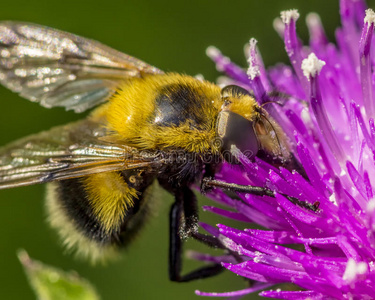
column 236, row 123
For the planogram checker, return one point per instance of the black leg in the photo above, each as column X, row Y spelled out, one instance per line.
column 201, row 273
column 175, row 241
column 190, row 213
column 209, row 173
column 184, row 224
column 254, row 190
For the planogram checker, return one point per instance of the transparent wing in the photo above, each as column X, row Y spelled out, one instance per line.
column 274, row 147
column 57, row 68
column 64, row 152
column 271, row 138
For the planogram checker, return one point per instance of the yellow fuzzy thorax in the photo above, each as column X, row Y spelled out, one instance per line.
column 131, row 111
column 245, row 106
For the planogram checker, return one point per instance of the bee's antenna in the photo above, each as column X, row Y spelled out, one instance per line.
column 283, row 97
column 208, row 183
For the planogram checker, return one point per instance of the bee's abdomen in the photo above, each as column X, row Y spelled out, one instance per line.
column 97, row 214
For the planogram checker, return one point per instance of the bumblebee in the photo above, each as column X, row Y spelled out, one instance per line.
column 151, row 127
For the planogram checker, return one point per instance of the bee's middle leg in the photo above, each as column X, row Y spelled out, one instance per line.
column 184, row 224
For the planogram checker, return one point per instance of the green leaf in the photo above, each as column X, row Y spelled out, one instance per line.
column 50, row 283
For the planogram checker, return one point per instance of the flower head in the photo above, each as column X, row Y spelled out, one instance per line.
column 326, row 107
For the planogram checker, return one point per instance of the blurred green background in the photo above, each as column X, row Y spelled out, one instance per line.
column 172, row 36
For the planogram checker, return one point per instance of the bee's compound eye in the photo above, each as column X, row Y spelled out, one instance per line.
column 234, row 91
column 235, row 130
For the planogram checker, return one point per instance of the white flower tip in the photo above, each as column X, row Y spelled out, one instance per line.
column 288, row 15
column 354, row 269
column 279, row 26
column 212, row 51
column 371, row 206
column 200, row 77
column 311, row 66
column 333, row 199
column 190, row 254
column 223, row 81
column 349, row 274
column 253, row 71
column 227, row 242
column 370, row 16
column 248, row 46
column 313, row 19
column 361, row 268
column 253, row 42
column 235, row 151
column 246, row 50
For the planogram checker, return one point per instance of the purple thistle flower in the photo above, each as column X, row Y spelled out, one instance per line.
column 329, row 119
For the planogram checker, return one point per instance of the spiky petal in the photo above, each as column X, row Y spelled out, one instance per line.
column 329, row 120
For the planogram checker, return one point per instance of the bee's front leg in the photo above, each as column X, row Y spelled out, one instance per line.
column 184, row 224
